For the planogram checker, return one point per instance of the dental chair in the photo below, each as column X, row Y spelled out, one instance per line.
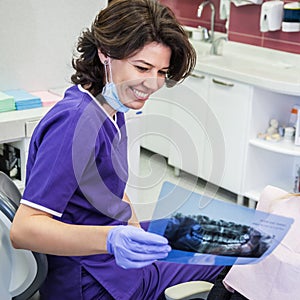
column 21, row 271
column 188, row 290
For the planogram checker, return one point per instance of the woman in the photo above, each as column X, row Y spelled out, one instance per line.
column 74, row 208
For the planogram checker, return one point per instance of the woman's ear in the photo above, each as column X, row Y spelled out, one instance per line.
column 103, row 58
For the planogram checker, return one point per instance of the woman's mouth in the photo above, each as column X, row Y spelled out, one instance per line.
column 141, row 95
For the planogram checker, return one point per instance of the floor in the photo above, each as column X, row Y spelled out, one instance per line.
column 153, row 171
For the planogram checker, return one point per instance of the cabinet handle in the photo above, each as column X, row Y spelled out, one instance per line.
column 197, row 76
column 229, row 84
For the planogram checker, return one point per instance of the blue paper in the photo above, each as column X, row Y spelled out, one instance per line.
column 7, row 102
column 24, row 100
column 223, row 233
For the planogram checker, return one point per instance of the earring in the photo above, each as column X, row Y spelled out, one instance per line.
column 107, row 69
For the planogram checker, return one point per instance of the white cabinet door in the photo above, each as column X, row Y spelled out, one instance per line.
column 155, row 122
column 228, row 123
column 189, row 107
column 202, row 126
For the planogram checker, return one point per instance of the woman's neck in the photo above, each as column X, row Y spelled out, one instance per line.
column 110, row 111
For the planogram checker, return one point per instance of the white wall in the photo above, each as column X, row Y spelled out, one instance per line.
column 37, row 39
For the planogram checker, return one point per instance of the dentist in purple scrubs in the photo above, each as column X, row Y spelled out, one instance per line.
column 73, row 207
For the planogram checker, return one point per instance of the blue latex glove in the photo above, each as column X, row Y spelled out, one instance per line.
column 135, row 248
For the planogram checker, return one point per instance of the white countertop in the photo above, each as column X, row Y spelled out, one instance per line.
column 26, row 114
column 262, row 67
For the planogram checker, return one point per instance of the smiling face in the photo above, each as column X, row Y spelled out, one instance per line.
column 140, row 75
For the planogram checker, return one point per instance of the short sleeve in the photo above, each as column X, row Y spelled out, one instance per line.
column 78, row 156
column 50, row 178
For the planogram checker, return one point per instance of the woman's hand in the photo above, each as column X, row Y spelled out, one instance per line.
column 135, row 248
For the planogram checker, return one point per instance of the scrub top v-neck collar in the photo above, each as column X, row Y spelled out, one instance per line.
column 113, row 120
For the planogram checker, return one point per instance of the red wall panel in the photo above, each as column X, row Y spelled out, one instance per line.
column 186, row 12
column 243, row 26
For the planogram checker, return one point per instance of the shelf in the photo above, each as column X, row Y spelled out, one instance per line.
column 282, row 147
column 254, row 195
column 26, row 114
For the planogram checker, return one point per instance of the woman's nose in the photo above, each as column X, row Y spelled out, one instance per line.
column 154, row 82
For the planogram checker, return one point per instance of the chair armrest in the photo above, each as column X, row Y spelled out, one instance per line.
column 187, row 290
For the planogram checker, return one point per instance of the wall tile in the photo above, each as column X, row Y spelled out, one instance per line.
column 282, row 46
column 186, row 12
column 283, row 36
column 245, row 21
column 245, row 38
column 243, row 26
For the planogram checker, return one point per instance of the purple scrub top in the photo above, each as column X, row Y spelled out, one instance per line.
column 77, row 171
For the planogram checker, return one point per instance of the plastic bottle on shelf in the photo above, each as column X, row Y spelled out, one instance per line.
column 293, row 116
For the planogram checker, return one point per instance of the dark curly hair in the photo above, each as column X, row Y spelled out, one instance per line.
column 122, row 29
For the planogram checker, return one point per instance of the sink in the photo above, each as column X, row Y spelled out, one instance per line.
column 254, row 65
column 284, row 65
column 247, row 63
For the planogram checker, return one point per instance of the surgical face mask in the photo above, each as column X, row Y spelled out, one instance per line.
column 109, row 91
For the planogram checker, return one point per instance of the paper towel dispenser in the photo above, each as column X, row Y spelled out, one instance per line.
column 271, row 16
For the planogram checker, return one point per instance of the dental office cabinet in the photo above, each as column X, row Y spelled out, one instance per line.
column 221, row 109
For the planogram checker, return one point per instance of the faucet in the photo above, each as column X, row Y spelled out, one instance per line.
column 212, row 17
column 215, row 45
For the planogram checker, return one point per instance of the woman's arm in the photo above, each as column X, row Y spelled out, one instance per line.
column 132, row 247
column 38, row 231
column 133, row 221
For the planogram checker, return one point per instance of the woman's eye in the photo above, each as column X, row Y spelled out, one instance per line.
column 163, row 73
column 142, row 69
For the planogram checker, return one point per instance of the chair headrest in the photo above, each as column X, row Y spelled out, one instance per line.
column 9, row 189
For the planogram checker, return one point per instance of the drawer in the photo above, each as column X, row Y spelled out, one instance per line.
column 12, row 130
column 30, row 126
